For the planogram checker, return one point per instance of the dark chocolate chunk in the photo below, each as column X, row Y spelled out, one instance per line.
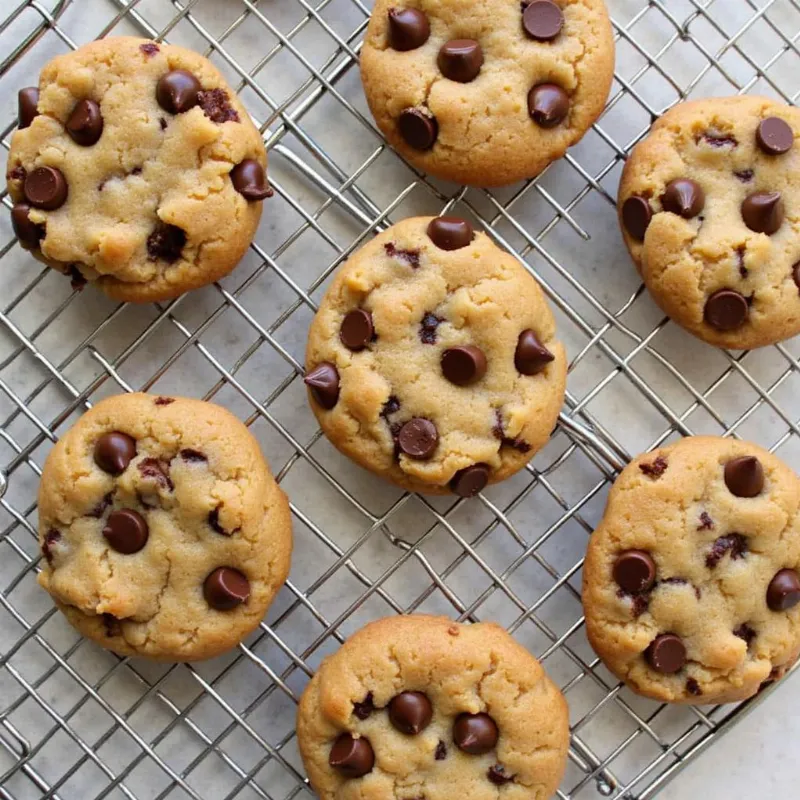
column 635, row 571
column 744, row 631
column 774, row 136
column 636, row 216
column 460, row 60
column 29, row 234
column 192, row 455
column 391, row 406
column 149, row 48
column 351, row 757
column 114, row 451
column 27, row 104
column 450, row 233
column 463, row 365
column 531, row 356
column 363, row 709
column 164, row 401
column 178, row 91
column 783, row 591
column 683, row 197
column 744, row 476
column 249, row 179
column 323, row 383
column 693, row 687
column 666, row 654
column 470, row 481
column 427, row 329
column 85, row 123
column 726, row 310
column 126, row 531
column 733, row 543
column 410, row 257
column 410, row 712
column 441, row 751
column 498, row 776
column 418, row 438
column 706, row 523
column 166, row 242
column 408, row 29
column 655, row 468
column 542, row 20
column 357, row 330
column 548, row 105
column 744, row 175
column 226, row 588
column 418, row 127
column 475, row 734
column 46, row 188
column 763, row 212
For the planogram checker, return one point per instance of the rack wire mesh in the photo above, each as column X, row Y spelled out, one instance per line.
column 78, row 721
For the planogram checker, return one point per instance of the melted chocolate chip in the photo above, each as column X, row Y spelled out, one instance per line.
column 111, row 624
column 29, row 234
column 693, row 687
column 499, row 432
column 352, row 758
column 469, row 481
column 733, row 543
column 418, row 439
column 763, row 212
column 796, row 275
column 323, row 383
column 498, row 776
column 76, row 279
column 666, row 654
column 100, row 509
column 250, row 180
column 19, row 173
column 726, row 310
column 744, row 631
column 475, row 734
column 149, row 48
column 114, row 451
column 27, row 104
column 391, row 406
column 51, row 537
column 126, row 531
column 744, row 476
column 542, row 20
column 85, row 123
column 410, row 257
column 363, row 709
column 410, row 712
column 164, row 401
column 213, row 521
column 418, row 127
column 166, row 243
column 718, row 141
column 157, row 471
column 178, row 91
column 744, row 175
column 450, row 233
column 706, row 523
column 636, row 216
column 191, row 455
column 162, row 123
column 740, row 251
column 408, row 29
column 46, row 188
column 783, row 591
column 639, row 604
column 427, row 329
column 548, row 105
column 217, row 106
column 460, row 60
column 441, row 751
column 656, row 468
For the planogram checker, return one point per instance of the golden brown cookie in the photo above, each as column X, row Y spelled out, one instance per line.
column 709, row 206
column 691, row 586
column 420, row 706
column 486, row 93
column 136, row 167
column 163, row 532
column 433, row 359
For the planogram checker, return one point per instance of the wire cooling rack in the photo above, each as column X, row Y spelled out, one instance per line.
column 76, row 721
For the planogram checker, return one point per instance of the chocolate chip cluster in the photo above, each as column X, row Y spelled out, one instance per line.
column 463, row 366
column 636, row 572
column 460, row 60
column 726, row 309
column 126, row 529
column 410, row 713
column 46, row 188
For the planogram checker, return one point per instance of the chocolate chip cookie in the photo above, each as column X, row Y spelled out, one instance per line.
column 486, row 93
column 163, row 532
column 136, row 167
column 422, row 707
column 691, row 588
column 433, row 360
column 709, row 206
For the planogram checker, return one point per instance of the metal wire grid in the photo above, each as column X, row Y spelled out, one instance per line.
column 77, row 721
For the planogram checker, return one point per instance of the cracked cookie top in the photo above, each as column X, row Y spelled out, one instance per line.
column 433, row 359
column 163, row 533
column 486, row 93
column 136, row 167
column 709, row 207
column 420, row 707
column 691, row 588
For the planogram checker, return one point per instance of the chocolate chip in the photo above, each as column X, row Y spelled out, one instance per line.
column 162, row 123
column 357, row 329
column 463, row 365
column 250, row 181
column 783, row 592
column 418, row 127
column 639, row 603
column 111, row 624
column 498, row 776
column 178, row 91
column 656, row 468
column 548, row 105
column 27, row 102
column 149, row 48
column 427, row 329
column 408, row 29
column 666, row 654
column 351, row 757
column 166, row 243
column 410, row 257
column 635, row 571
column 363, row 709
column 531, row 356
column 391, row 406
column 636, row 216
column 744, row 175
column 726, row 310
column 763, row 212
column 76, row 278
column 418, row 438
column 475, row 734
column 684, row 197
column 191, row 455
column 693, row 687
column 499, row 432
column 323, row 383
column 85, row 123
column 51, row 537
column 225, row 588
column 164, row 401
column 114, row 451
column 542, row 20
column 740, row 251
column 29, row 233
column 100, row 508
column 460, row 60
column 774, row 136
column 216, row 106
column 126, row 531
column 706, row 523
column 410, row 712
column 213, row 521
column 744, row 631
column 46, row 188
column 744, row 476
column 469, row 481
column 441, row 751
column 718, row 141
column 450, row 233
column 796, row 274
column 733, row 543
column 19, row 173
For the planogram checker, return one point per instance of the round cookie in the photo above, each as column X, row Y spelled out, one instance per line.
column 709, row 207
column 432, row 360
column 421, row 706
column 691, row 585
column 163, row 532
column 136, row 167
column 486, row 93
